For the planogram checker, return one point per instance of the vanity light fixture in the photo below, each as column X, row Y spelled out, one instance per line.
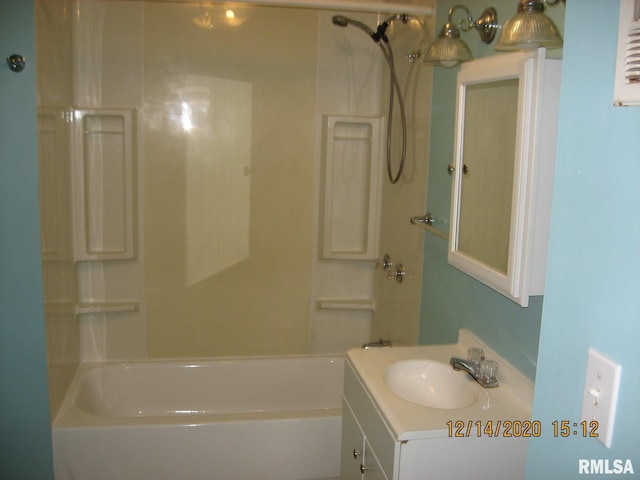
column 530, row 28
column 448, row 50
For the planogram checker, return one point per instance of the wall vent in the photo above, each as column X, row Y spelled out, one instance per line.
column 627, row 83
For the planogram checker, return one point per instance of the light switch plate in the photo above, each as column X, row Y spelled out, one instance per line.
column 600, row 395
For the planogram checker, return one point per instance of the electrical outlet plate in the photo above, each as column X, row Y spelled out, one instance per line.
column 601, row 394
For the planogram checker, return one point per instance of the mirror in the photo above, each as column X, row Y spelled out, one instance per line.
column 488, row 158
column 503, row 171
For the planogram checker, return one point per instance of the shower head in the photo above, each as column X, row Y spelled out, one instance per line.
column 343, row 21
column 340, row 21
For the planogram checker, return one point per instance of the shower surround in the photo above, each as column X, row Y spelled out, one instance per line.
column 197, row 160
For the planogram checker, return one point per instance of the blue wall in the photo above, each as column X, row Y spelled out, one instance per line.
column 450, row 299
column 593, row 294
column 25, row 434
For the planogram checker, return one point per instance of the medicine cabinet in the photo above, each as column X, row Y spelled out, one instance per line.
column 504, row 156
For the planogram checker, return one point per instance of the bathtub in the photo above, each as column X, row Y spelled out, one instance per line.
column 275, row 418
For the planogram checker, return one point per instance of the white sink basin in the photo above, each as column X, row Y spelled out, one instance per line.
column 431, row 384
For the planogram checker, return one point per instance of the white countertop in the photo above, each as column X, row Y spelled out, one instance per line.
column 406, row 420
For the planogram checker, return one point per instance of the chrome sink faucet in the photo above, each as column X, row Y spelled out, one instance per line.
column 482, row 371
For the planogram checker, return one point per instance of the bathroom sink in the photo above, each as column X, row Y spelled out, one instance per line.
column 431, row 384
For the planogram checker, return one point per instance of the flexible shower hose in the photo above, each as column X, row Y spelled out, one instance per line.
column 395, row 86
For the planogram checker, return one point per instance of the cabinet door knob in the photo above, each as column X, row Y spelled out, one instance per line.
column 356, row 453
column 363, row 468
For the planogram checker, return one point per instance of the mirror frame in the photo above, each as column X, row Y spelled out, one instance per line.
column 534, row 159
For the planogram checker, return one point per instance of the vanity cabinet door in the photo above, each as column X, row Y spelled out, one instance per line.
column 352, row 451
column 358, row 461
column 371, row 466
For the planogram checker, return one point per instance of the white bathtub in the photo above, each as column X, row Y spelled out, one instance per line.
column 274, row 418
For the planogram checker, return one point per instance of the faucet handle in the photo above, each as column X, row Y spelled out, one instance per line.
column 488, row 370
column 386, row 264
column 475, row 355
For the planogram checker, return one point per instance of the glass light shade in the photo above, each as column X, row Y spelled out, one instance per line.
column 529, row 29
column 447, row 51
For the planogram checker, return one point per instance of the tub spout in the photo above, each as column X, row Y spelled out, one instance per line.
column 379, row 344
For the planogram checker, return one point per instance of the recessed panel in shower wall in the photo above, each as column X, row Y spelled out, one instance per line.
column 351, row 187
column 103, row 185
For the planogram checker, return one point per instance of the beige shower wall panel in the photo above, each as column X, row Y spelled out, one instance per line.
column 258, row 301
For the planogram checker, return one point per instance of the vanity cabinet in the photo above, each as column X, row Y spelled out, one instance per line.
column 504, row 158
column 430, row 455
